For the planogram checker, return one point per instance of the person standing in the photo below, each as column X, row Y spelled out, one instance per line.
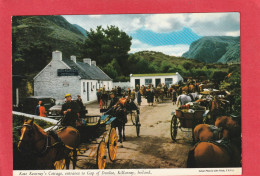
column 128, row 92
column 82, row 108
column 113, row 100
column 174, row 96
column 137, row 87
column 149, row 97
column 70, row 111
column 43, row 112
column 37, row 108
column 98, row 95
column 132, row 95
column 119, row 90
column 139, row 98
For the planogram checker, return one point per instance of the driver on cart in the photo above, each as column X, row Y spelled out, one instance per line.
column 70, row 111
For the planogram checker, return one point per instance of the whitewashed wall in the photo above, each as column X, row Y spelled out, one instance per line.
column 48, row 83
column 123, row 85
column 175, row 79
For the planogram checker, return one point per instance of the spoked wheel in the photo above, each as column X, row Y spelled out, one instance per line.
column 174, row 128
column 137, row 125
column 112, row 144
column 101, row 155
column 59, row 165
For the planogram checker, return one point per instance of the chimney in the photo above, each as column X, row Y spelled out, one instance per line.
column 73, row 58
column 87, row 61
column 57, row 55
column 93, row 63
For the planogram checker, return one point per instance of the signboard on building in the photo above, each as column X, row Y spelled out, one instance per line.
column 67, row 72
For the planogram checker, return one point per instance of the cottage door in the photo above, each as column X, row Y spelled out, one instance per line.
column 137, row 81
column 157, row 81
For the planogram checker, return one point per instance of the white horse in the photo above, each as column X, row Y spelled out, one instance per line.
column 183, row 99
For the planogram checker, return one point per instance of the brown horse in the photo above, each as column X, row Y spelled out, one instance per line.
column 208, row 154
column 225, row 128
column 213, row 154
column 48, row 148
column 191, row 88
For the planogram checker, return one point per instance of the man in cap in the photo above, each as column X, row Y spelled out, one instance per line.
column 70, row 110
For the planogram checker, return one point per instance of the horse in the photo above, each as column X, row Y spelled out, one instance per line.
column 104, row 99
column 209, row 153
column 158, row 94
column 225, row 128
column 212, row 155
column 191, row 88
column 121, row 118
column 47, row 148
column 183, row 99
column 218, row 107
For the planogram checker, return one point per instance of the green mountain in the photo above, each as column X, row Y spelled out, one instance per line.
column 222, row 49
column 81, row 29
column 54, row 31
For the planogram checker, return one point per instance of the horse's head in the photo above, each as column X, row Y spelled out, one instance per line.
column 27, row 136
column 227, row 123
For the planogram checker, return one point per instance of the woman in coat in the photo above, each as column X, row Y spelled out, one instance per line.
column 42, row 110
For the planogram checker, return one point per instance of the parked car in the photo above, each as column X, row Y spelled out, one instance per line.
column 55, row 111
column 28, row 104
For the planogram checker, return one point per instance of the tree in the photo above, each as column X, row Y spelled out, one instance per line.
column 104, row 45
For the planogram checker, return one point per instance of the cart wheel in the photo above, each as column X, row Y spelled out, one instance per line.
column 112, row 144
column 59, row 165
column 174, row 128
column 137, row 124
column 101, row 155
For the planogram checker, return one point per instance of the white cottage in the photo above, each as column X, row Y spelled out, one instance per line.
column 62, row 76
column 155, row 79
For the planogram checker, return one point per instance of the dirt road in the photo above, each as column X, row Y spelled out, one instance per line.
column 154, row 148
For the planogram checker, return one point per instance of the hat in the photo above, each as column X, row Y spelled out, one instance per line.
column 111, row 93
column 67, row 95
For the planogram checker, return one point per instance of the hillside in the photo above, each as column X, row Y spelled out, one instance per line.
column 56, row 31
column 81, row 29
column 157, row 62
column 223, row 49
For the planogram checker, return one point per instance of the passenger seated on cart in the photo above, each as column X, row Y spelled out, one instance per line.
column 70, row 112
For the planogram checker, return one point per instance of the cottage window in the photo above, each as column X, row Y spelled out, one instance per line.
column 168, row 81
column 148, row 81
column 84, row 87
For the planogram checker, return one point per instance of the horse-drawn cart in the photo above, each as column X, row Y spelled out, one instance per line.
column 97, row 139
column 134, row 112
column 184, row 118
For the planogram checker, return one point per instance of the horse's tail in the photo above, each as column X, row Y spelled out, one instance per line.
column 191, row 159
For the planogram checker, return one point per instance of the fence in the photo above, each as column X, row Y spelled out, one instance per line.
column 53, row 121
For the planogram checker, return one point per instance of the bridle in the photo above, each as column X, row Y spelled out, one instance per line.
column 46, row 146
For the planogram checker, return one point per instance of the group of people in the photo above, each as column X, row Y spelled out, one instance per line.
column 40, row 109
column 149, row 93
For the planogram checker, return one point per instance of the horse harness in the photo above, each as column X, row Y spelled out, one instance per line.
column 47, row 145
column 217, row 132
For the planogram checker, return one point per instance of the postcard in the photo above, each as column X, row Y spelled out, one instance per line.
column 133, row 94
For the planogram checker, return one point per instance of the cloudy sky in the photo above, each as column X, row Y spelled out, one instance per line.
column 168, row 33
